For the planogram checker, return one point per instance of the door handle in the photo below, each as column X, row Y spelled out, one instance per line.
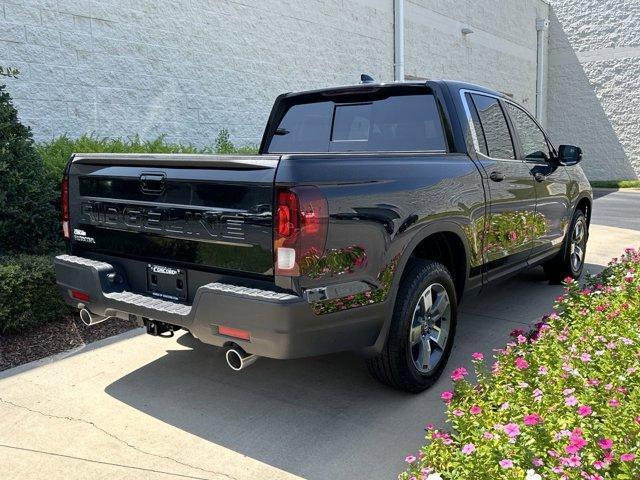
column 496, row 176
column 540, row 177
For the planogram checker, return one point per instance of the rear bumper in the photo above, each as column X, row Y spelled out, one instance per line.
column 282, row 325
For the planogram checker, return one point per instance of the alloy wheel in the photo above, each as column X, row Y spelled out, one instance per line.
column 578, row 243
column 430, row 328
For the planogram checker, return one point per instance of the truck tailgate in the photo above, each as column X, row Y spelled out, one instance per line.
column 200, row 211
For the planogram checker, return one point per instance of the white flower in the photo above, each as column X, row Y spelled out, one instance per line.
column 434, row 476
column 532, row 475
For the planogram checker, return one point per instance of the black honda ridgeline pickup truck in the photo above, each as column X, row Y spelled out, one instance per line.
column 368, row 213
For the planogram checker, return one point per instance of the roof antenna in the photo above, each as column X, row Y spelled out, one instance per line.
column 364, row 78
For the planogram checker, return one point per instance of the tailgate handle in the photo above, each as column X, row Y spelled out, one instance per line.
column 152, row 183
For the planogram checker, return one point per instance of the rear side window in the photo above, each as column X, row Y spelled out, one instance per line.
column 396, row 123
column 493, row 127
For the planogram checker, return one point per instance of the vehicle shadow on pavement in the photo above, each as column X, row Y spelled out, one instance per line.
column 321, row 417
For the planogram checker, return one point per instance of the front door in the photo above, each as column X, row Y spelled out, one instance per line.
column 551, row 183
column 512, row 221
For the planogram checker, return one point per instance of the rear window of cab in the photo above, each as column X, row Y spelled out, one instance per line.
column 394, row 123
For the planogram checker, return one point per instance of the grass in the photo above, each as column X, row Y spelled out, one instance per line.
column 615, row 183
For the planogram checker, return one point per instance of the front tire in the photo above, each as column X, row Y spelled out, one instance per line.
column 570, row 261
column 422, row 329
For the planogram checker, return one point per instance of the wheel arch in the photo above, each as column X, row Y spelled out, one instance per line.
column 443, row 241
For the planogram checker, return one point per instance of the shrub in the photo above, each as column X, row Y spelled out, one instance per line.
column 560, row 402
column 28, row 292
column 56, row 153
column 28, row 222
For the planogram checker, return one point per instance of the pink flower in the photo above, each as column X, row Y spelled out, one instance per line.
column 532, row 419
column 542, row 370
column 459, row 374
column 537, row 395
column 410, row 459
column 614, row 402
column 627, row 457
column 599, row 464
column 584, row 410
column 447, row 396
column 458, row 413
column 521, row 363
column 605, row 443
column 468, row 449
column 475, row 410
column 477, row 356
column 576, row 442
column 572, row 461
column 571, row 401
column 537, row 462
column 585, row 357
column 512, row 430
column 506, row 463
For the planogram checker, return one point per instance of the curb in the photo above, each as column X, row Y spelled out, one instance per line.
column 70, row 353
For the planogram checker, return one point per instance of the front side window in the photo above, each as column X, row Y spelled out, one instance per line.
column 494, row 127
column 395, row 123
column 534, row 143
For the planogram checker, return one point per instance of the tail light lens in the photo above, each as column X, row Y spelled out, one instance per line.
column 64, row 207
column 300, row 227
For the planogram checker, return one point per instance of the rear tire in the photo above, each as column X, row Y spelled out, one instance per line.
column 422, row 329
column 570, row 260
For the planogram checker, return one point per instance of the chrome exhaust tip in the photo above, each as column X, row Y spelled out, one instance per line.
column 89, row 318
column 238, row 359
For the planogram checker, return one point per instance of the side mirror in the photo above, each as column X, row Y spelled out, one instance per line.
column 569, row 155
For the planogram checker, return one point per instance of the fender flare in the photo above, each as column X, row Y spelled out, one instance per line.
column 444, row 226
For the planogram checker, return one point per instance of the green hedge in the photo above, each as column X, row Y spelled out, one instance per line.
column 28, row 221
column 28, row 292
column 56, row 152
column 562, row 402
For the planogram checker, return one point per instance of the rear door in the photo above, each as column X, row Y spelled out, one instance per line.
column 511, row 221
column 551, row 182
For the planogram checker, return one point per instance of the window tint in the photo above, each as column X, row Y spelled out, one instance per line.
column 534, row 144
column 494, row 126
column 304, row 128
column 351, row 122
column 397, row 123
column 477, row 126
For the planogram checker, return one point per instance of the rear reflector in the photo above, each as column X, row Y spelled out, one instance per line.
column 234, row 332
column 78, row 295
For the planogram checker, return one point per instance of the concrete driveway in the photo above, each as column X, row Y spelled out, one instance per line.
column 138, row 407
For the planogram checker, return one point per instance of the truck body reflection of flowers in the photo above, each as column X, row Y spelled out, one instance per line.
column 361, row 299
column 512, row 229
column 335, row 262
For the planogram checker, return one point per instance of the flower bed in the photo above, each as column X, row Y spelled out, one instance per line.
column 561, row 402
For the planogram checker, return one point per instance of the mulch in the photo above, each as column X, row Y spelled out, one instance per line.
column 55, row 337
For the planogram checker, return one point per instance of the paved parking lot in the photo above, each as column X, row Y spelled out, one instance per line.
column 141, row 407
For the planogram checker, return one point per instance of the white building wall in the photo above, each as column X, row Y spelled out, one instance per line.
column 500, row 53
column 594, row 89
column 186, row 69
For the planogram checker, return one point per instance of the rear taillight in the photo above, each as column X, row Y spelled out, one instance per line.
column 300, row 227
column 64, row 207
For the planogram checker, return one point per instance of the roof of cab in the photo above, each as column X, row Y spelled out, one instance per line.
column 451, row 84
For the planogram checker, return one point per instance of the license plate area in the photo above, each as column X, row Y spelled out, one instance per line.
column 167, row 282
